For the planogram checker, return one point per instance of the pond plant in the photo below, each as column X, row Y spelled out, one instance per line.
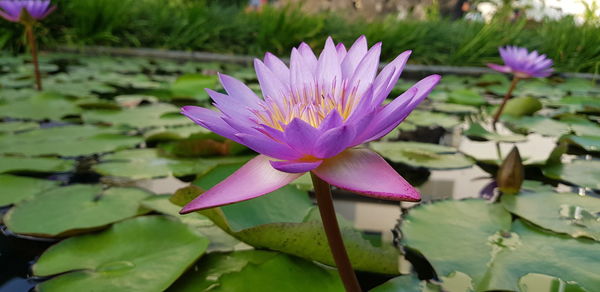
column 313, row 116
column 522, row 65
column 28, row 13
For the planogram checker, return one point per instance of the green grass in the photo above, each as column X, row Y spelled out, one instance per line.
column 207, row 26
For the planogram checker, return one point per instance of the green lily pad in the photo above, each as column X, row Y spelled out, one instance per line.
column 578, row 86
column 539, row 282
column 560, row 212
column 293, row 234
column 173, row 133
column 15, row 164
column 478, row 132
column 522, row 106
column 456, row 236
column 67, row 141
column 431, row 119
column 541, row 252
column 541, row 125
column 584, row 173
column 582, row 126
column 148, row 163
column 18, row 188
column 219, row 239
column 140, row 117
column 452, row 108
column 74, row 209
column 589, row 143
column 466, row 97
column 40, row 107
column 143, row 254
column 407, row 283
column 415, row 154
column 578, row 103
column 17, row 127
column 261, row 270
column 193, row 85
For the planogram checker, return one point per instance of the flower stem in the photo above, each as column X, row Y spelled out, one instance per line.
column 334, row 236
column 513, row 84
column 34, row 56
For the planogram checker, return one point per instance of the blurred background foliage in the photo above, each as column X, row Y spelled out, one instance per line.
column 229, row 27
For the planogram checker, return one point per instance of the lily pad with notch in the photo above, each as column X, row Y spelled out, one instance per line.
column 559, row 212
column 74, row 209
column 426, row 155
column 142, row 254
column 18, row 188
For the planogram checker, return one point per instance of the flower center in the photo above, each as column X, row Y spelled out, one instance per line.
column 311, row 104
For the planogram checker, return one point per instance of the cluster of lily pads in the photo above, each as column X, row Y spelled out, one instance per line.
column 74, row 158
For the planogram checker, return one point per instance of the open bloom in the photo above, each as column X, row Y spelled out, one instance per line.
column 12, row 10
column 523, row 64
column 312, row 116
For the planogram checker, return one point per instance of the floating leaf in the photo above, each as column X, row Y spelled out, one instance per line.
column 147, row 163
column 140, row 117
column 219, row 239
column 73, row 209
column 261, row 270
column 15, row 164
column 18, row 188
column 143, row 254
column 467, row 228
column 407, row 283
column 466, row 97
column 193, row 85
column 67, row 141
column 293, row 234
column 584, row 173
column 427, row 155
column 452, row 108
column 478, row 132
column 430, row 119
column 560, row 212
column 541, row 125
column 537, row 251
column 40, row 107
column 589, row 143
column 17, row 126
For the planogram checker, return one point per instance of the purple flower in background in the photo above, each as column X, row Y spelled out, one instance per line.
column 523, row 64
column 312, row 117
column 38, row 9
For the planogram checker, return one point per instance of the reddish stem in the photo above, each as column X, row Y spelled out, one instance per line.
column 34, row 56
column 334, row 236
column 513, row 84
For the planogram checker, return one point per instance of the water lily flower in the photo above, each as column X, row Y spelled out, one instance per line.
column 313, row 116
column 522, row 64
column 37, row 9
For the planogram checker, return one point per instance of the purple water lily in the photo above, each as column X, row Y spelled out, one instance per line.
column 37, row 9
column 522, row 64
column 313, row 116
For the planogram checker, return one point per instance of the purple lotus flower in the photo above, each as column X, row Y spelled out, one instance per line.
column 523, row 64
column 313, row 116
column 38, row 9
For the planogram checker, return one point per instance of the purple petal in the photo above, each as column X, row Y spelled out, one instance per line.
column 332, row 120
column 269, row 83
column 341, row 51
column 355, row 54
column 252, row 180
column 308, row 56
column 239, row 91
column 334, row 141
column 499, row 68
column 301, row 136
column 211, row 120
column 364, row 172
column 279, row 68
column 366, row 70
column 328, row 66
column 228, row 105
column 295, row 166
column 301, row 76
column 268, row 147
column 387, row 79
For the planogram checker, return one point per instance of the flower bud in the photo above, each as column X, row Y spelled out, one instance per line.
column 511, row 174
